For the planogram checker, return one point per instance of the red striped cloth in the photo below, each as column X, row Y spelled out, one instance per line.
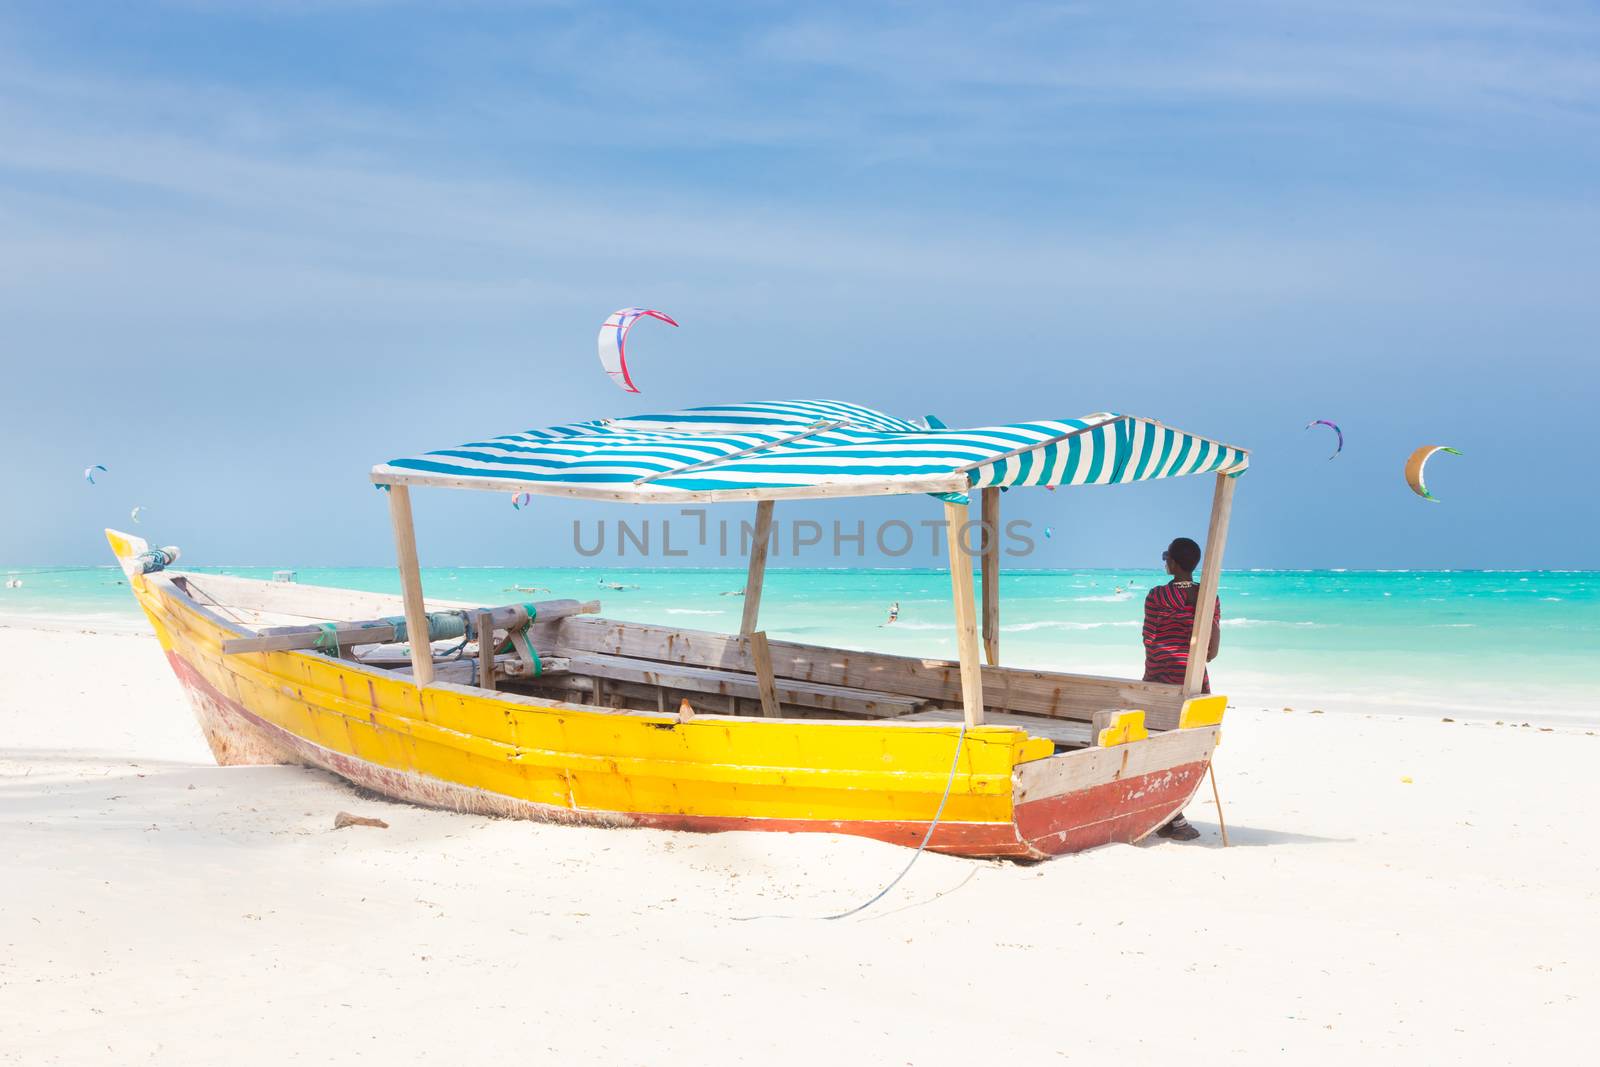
column 1168, row 626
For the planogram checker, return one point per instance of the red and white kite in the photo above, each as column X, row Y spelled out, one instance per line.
column 613, row 342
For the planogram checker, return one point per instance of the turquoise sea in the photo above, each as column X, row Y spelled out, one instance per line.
column 1475, row 643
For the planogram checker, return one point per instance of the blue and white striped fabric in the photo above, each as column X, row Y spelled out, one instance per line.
column 812, row 448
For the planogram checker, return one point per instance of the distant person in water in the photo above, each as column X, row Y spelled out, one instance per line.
column 894, row 612
column 1168, row 626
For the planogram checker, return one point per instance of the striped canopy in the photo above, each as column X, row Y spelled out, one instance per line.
column 810, row 448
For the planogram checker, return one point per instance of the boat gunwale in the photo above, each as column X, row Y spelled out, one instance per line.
column 163, row 579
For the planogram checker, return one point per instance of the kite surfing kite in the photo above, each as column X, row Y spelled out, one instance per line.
column 134, row 514
column 519, row 499
column 1332, row 426
column 1414, row 465
column 613, row 343
column 88, row 472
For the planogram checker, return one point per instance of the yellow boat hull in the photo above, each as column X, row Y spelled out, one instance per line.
column 505, row 754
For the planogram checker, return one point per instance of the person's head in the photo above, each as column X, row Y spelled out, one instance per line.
column 1181, row 557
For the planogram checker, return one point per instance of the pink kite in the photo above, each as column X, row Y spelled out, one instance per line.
column 613, row 343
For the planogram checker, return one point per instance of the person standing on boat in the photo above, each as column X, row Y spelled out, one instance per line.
column 1168, row 627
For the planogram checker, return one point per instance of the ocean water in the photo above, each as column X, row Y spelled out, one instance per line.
column 1478, row 643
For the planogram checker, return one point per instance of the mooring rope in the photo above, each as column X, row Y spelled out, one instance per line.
column 955, row 764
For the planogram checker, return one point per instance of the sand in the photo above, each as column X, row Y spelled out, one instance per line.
column 157, row 908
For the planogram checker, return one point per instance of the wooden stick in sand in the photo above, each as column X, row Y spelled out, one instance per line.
column 1211, row 769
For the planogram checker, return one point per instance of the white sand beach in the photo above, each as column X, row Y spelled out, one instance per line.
column 1398, row 889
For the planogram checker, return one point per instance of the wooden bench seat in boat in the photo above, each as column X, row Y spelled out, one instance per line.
column 1073, row 697
column 844, row 699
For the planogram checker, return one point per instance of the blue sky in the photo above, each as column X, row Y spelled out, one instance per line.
column 249, row 249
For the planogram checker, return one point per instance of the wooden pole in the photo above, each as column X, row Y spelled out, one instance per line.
column 405, row 550
column 1210, row 574
column 955, row 517
column 486, row 651
column 758, row 567
column 761, row 659
column 1211, row 768
column 991, row 575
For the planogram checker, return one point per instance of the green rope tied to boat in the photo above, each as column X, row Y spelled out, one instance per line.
column 533, row 613
column 328, row 639
column 511, row 647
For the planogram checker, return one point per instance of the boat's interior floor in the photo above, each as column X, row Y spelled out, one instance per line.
column 605, row 664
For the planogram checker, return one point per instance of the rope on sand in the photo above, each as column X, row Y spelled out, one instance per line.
column 955, row 763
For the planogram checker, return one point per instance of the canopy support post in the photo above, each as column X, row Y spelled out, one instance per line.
column 405, row 550
column 955, row 518
column 991, row 575
column 1210, row 574
column 758, row 568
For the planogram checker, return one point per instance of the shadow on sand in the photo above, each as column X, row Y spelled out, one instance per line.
column 1253, row 837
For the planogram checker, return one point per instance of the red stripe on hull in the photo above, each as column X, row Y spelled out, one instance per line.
column 1122, row 811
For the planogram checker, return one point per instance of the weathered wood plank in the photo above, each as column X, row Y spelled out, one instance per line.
column 1070, row 696
column 842, row 699
column 1070, row 772
column 321, row 602
column 486, row 650
column 378, row 632
column 659, row 494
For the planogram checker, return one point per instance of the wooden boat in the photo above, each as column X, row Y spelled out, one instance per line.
column 550, row 711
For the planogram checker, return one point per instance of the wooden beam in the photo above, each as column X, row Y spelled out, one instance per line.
column 1052, row 693
column 1210, row 575
column 845, row 700
column 405, row 550
column 486, row 650
column 651, row 493
column 761, row 658
column 758, row 568
column 379, row 632
column 991, row 575
column 955, row 517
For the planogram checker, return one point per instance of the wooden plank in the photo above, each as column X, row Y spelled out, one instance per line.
column 379, row 632
column 1210, row 575
column 841, row 699
column 661, row 494
column 761, row 658
column 486, row 650
column 296, row 599
column 1057, row 694
column 1071, row 772
column 991, row 574
column 955, row 517
column 405, row 547
column 758, row 567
